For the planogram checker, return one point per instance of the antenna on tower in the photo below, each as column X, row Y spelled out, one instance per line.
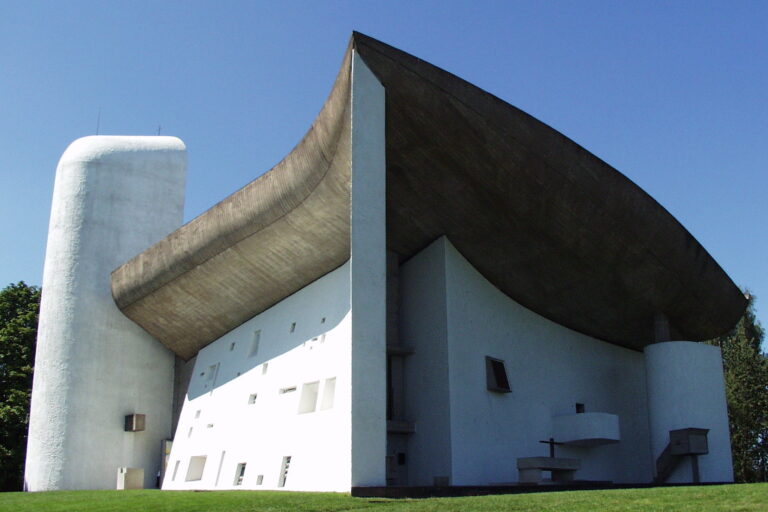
column 98, row 121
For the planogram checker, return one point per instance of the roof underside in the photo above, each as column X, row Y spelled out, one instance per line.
column 551, row 225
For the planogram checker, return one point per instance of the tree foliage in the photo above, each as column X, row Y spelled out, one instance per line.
column 19, row 307
column 746, row 387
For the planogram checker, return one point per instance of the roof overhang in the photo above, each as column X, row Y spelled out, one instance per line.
column 551, row 225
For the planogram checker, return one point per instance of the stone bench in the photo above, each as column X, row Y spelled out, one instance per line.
column 562, row 468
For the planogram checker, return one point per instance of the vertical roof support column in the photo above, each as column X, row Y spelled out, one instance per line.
column 368, row 278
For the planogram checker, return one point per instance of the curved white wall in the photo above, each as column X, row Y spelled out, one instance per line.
column 686, row 389
column 453, row 317
column 113, row 197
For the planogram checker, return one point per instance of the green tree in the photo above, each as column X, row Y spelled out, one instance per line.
column 19, row 307
column 746, row 388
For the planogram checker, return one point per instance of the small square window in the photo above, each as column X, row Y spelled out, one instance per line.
column 580, row 408
column 496, row 375
column 252, row 399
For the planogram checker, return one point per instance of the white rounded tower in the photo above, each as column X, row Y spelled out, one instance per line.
column 114, row 196
column 686, row 390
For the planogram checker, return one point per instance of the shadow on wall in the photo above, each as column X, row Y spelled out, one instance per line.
column 301, row 319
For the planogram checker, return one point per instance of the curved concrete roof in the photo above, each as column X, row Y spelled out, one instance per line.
column 551, row 225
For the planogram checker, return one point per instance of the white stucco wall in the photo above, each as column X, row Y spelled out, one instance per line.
column 305, row 338
column 113, row 198
column 550, row 369
column 686, row 389
column 368, row 278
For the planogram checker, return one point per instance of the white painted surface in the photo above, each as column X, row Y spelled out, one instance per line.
column 550, row 369
column 686, row 389
column 113, row 198
column 368, row 278
column 239, row 408
column 587, row 429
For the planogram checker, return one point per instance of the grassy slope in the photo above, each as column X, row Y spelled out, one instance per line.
column 751, row 497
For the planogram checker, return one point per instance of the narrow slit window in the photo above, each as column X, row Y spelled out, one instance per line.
column 211, row 373
column 287, row 390
column 197, row 413
column 284, row 471
column 175, row 470
column 264, row 368
column 232, row 346
column 239, row 474
column 329, row 390
column 308, row 401
column 293, row 327
column 496, row 375
column 255, row 344
column 259, row 479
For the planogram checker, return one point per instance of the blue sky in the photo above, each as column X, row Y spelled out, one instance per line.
column 672, row 94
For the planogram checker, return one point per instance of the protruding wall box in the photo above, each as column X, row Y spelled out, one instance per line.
column 689, row 441
column 135, row 422
column 587, row 429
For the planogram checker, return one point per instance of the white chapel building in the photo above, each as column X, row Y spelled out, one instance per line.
column 432, row 289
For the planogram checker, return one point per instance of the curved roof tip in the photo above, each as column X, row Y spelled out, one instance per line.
column 552, row 226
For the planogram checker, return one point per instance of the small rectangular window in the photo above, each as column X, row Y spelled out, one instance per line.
column 175, row 470
column 255, row 344
column 496, row 375
column 259, row 479
column 579, row 408
column 252, row 399
column 287, row 390
column 196, row 467
column 329, row 390
column 264, row 368
column 197, row 413
column 232, row 346
column 308, row 401
column 293, row 327
column 284, row 471
column 239, row 473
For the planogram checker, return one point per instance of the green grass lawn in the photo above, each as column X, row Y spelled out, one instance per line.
column 746, row 497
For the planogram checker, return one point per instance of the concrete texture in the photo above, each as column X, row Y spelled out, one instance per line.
column 549, row 224
column 113, row 197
